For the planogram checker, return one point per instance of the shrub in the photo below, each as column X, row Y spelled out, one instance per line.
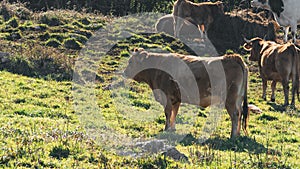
column 40, row 27
column 22, row 12
column 14, row 36
column 94, row 26
column 85, row 21
column 78, row 24
column 80, row 38
column 50, row 20
column 60, row 152
column 72, row 43
column 13, row 22
column 83, row 32
column 44, row 36
column 53, row 43
column 4, row 11
column 58, row 36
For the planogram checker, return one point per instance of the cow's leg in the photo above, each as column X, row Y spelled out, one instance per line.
column 264, row 89
column 273, row 86
column 175, row 108
column 178, row 23
column 286, row 32
column 235, row 116
column 168, row 112
column 294, row 31
column 294, row 88
column 285, row 85
column 201, row 29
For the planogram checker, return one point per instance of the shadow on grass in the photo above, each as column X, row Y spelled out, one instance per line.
column 276, row 107
column 175, row 138
column 240, row 144
column 290, row 110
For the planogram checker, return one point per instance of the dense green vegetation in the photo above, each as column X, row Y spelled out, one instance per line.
column 116, row 7
column 41, row 127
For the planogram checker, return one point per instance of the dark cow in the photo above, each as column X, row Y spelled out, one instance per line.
column 200, row 14
column 277, row 63
column 171, row 77
column 286, row 13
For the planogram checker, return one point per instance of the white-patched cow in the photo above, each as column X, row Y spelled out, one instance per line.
column 286, row 13
column 155, row 69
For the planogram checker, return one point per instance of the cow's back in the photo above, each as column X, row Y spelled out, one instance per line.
column 229, row 69
column 292, row 8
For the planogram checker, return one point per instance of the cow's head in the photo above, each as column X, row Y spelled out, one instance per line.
column 254, row 46
column 135, row 63
column 275, row 6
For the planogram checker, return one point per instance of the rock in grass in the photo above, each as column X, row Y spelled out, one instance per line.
column 156, row 146
column 254, row 109
column 176, row 155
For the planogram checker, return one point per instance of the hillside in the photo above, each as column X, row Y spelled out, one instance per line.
column 64, row 103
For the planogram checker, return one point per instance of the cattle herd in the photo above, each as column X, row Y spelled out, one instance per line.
column 218, row 80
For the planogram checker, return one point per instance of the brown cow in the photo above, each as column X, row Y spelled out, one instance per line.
column 166, row 24
column 277, row 63
column 171, row 77
column 200, row 14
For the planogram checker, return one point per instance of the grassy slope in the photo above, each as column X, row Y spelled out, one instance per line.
column 39, row 127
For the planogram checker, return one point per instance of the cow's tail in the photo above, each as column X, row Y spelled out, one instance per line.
column 296, row 62
column 245, row 114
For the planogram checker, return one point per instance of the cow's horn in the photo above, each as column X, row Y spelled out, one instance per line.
column 265, row 37
column 247, row 40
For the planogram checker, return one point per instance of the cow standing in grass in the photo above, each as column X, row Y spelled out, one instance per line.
column 286, row 13
column 172, row 76
column 199, row 14
column 277, row 63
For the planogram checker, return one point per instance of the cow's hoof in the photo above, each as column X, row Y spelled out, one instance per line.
column 171, row 130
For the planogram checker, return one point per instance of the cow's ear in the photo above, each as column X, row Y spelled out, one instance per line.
column 136, row 51
column 248, row 46
column 139, row 55
column 143, row 55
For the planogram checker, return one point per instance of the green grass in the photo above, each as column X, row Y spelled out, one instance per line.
column 47, row 121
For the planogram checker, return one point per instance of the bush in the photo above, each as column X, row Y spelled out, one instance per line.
column 53, row 43
column 72, row 43
column 78, row 24
column 85, row 33
column 44, row 37
column 50, row 20
column 4, row 11
column 58, row 36
column 80, row 38
column 14, row 36
column 60, row 152
column 22, row 12
column 85, row 21
column 13, row 22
